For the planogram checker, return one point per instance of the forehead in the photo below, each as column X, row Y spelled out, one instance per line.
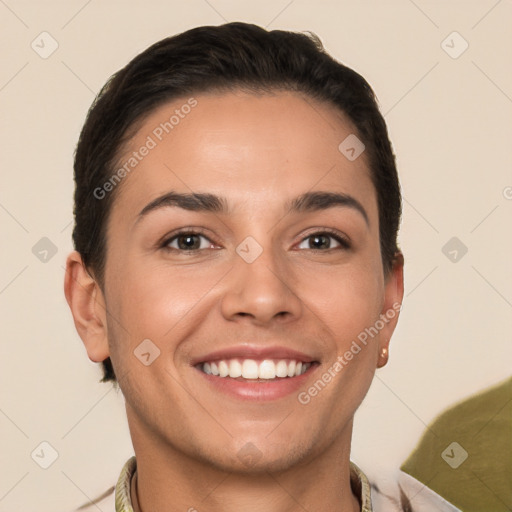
column 252, row 149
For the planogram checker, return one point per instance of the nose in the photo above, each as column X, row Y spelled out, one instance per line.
column 261, row 291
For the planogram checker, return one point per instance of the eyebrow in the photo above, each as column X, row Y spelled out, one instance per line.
column 314, row 201
column 194, row 202
column 204, row 202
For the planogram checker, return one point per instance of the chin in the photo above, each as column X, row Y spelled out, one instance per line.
column 253, row 459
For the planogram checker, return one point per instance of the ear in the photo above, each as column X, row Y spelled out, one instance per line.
column 87, row 304
column 393, row 296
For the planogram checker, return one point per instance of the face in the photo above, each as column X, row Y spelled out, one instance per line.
column 243, row 243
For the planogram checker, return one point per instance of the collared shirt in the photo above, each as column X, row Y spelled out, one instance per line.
column 387, row 496
column 121, row 494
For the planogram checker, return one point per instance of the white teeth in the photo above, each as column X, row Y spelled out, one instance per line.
column 235, row 369
column 223, row 369
column 281, row 369
column 214, row 369
column 251, row 369
column 267, row 370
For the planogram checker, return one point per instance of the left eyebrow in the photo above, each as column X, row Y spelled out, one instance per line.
column 314, row 201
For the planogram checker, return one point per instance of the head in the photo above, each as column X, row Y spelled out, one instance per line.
column 235, row 186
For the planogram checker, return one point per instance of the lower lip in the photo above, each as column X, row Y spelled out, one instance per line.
column 259, row 391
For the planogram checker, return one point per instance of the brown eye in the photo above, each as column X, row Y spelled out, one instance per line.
column 188, row 242
column 323, row 241
column 319, row 242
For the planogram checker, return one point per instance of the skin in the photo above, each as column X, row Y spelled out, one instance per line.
column 258, row 152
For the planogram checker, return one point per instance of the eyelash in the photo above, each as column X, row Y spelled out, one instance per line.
column 185, row 231
column 343, row 241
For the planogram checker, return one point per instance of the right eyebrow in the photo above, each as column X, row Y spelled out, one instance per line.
column 196, row 202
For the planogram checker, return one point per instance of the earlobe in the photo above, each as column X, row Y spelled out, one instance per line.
column 87, row 304
column 393, row 296
column 383, row 356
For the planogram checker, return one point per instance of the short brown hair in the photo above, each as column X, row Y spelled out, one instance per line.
column 226, row 57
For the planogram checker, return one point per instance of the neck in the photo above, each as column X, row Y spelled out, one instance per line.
column 168, row 479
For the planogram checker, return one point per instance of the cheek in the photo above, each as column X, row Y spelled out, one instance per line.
column 159, row 301
column 346, row 300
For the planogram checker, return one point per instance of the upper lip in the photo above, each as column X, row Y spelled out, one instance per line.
column 254, row 352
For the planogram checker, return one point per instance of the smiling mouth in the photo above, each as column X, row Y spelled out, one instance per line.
column 255, row 370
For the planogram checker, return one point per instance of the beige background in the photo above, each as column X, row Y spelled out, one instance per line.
column 450, row 121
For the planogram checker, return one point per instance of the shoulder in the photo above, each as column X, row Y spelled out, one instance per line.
column 453, row 453
column 104, row 502
column 401, row 492
column 117, row 497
